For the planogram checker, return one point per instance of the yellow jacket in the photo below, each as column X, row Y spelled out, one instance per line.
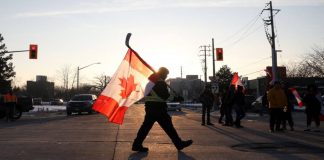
column 277, row 98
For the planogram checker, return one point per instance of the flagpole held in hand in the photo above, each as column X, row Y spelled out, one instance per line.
column 127, row 44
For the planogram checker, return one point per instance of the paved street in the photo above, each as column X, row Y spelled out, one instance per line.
column 53, row 135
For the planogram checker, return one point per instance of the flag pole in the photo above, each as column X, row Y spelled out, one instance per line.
column 127, row 44
column 127, row 41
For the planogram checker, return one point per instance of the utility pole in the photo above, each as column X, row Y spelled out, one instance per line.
column 271, row 39
column 205, row 59
column 213, row 52
column 181, row 71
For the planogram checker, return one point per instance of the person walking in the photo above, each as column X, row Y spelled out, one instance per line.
column 156, row 111
column 238, row 106
column 207, row 100
column 277, row 102
column 313, row 107
column 10, row 101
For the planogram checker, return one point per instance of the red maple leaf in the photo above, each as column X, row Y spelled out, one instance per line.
column 128, row 85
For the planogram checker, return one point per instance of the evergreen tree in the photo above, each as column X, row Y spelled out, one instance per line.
column 224, row 75
column 6, row 67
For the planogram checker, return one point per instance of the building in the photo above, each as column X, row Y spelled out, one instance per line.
column 189, row 88
column 40, row 88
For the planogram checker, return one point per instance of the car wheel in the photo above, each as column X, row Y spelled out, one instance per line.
column 16, row 113
column 79, row 113
column 68, row 113
column 90, row 112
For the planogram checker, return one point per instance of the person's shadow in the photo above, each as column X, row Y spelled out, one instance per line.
column 137, row 155
column 141, row 155
column 184, row 156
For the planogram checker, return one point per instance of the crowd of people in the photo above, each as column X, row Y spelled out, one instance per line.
column 278, row 99
column 228, row 100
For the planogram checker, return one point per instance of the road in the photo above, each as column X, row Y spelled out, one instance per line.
column 53, row 135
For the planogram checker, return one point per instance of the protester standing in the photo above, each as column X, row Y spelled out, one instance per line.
column 313, row 107
column 277, row 102
column 288, row 109
column 228, row 103
column 239, row 104
column 207, row 100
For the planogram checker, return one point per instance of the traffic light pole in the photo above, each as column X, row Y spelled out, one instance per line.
column 16, row 51
column 213, row 52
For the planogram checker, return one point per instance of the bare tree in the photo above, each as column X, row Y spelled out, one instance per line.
column 297, row 69
column 66, row 76
column 315, row 61
column 101, row 81
column 310, row 66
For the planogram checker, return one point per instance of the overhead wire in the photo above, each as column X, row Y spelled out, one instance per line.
column 240, row 30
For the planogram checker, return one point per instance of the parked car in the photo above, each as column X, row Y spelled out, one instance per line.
column 173, row 106
column 37, row 101
column 81, row 103
column 57, row 102
column 249, row 99
column 257, row 104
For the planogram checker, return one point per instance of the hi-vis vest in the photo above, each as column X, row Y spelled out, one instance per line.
column 153, row 97
column 9, row 98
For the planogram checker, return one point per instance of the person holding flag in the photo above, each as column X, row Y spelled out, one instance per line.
column 156, row 111
column 133, row 80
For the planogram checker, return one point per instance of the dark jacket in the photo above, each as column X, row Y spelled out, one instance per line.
column 207, row 98
column 312, row 104
column 239, row 99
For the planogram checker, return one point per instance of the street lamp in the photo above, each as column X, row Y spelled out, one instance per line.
column 78, row 72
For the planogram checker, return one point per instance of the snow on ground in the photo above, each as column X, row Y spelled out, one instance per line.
column 38, row 108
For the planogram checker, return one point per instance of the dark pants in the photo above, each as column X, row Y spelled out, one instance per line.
column 228, row 115
column 287, row 117
column 9, row 110
column 205, row 110
column 310, row 115
column 222, row 113
column 157, row 112
column 275, row 117
column 240, row 114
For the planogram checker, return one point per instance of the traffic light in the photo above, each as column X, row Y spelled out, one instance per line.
column 219, row 54
column 33, row 51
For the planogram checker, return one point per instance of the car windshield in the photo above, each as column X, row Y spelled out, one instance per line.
column 82, row 98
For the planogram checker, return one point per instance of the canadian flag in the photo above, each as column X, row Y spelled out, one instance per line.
column 236, row 81
column 130, row 83
column 295, row 93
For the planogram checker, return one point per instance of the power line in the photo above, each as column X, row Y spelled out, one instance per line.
column 255, row 62
column 246, row 33
column 240, row 30
column 253, row 72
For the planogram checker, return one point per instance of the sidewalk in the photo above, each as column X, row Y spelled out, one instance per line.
column 219, row 142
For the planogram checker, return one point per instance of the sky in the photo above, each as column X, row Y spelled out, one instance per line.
column 164, row 32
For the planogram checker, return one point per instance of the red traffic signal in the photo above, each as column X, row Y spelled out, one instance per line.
column 33, row 51
column 219, row 54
